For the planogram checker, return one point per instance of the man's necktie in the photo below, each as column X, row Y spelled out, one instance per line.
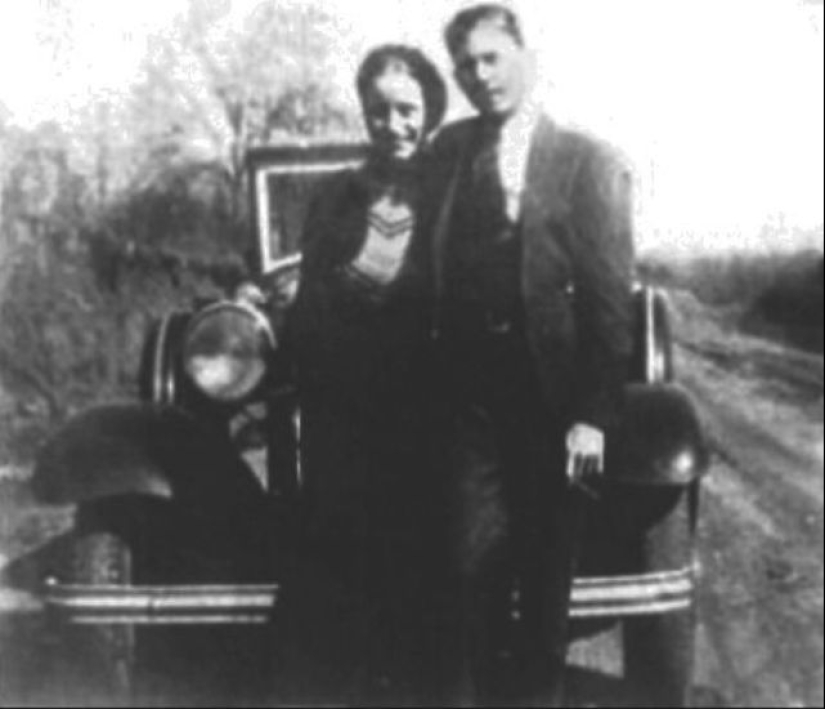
column 488, row 188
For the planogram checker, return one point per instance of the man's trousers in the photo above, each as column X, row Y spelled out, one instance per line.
column 512, row 525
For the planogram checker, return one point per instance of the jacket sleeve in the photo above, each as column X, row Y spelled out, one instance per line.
column 304, row 326
column 439, row 163
column 601, row 206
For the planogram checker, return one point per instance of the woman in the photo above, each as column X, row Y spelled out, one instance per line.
column 359, row 326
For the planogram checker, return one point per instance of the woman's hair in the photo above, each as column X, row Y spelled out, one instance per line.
column 401, row 57
column 467, row 20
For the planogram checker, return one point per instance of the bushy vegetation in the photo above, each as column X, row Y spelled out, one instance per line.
column 139, row 205
column 81, row 282
column 793, row 303
column 779, row 295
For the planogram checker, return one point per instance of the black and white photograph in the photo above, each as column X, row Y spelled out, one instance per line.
column 423, row 353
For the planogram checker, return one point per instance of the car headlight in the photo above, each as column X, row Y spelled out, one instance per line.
column 226, row 350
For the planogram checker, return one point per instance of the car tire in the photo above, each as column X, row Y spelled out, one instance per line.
column 659, row 649
column 106, row 653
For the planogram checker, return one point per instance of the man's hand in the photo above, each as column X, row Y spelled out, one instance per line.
column 585, row 456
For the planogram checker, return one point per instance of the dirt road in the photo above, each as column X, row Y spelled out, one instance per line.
column 761, row 527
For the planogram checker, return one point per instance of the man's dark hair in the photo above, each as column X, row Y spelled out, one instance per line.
column 405, row 58
column 467, row 20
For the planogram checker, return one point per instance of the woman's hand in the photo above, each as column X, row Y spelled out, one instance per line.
column 250, row 294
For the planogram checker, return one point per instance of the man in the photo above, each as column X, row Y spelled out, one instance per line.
column 531, row 252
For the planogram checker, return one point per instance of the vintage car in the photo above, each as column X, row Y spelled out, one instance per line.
column 184, row 498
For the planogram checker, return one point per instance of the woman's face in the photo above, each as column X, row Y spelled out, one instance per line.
column 394, row 112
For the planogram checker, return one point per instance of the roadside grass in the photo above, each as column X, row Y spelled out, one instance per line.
column 25, row 526
column 774, row 295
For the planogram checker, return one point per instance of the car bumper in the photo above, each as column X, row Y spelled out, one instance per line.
column 591, row 597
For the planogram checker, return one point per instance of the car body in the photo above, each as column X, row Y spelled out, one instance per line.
column 185, row 498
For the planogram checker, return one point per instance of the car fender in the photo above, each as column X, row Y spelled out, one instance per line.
column 660, row 439
column 138, row 448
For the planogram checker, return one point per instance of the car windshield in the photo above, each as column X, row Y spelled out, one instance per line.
column 284, row 180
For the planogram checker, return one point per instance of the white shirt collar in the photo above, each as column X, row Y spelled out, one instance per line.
column 524, row 118
column 514, row 150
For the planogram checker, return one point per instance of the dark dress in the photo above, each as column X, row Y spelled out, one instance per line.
column 358, row 345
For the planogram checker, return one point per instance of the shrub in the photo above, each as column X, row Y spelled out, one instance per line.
column 78, row 299
column 779, row 295
column 794, row 301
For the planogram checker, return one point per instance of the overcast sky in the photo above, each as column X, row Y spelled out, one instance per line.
column 719, row 103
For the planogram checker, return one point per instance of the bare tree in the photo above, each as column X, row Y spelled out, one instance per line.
column 215, row 84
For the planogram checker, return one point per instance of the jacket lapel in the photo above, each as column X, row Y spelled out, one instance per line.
column 441, row 225
column 542, row 187
column 544, row 195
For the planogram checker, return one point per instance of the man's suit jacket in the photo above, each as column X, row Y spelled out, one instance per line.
column 577, row 261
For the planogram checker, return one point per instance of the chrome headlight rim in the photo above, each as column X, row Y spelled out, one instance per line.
column 262, row 330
